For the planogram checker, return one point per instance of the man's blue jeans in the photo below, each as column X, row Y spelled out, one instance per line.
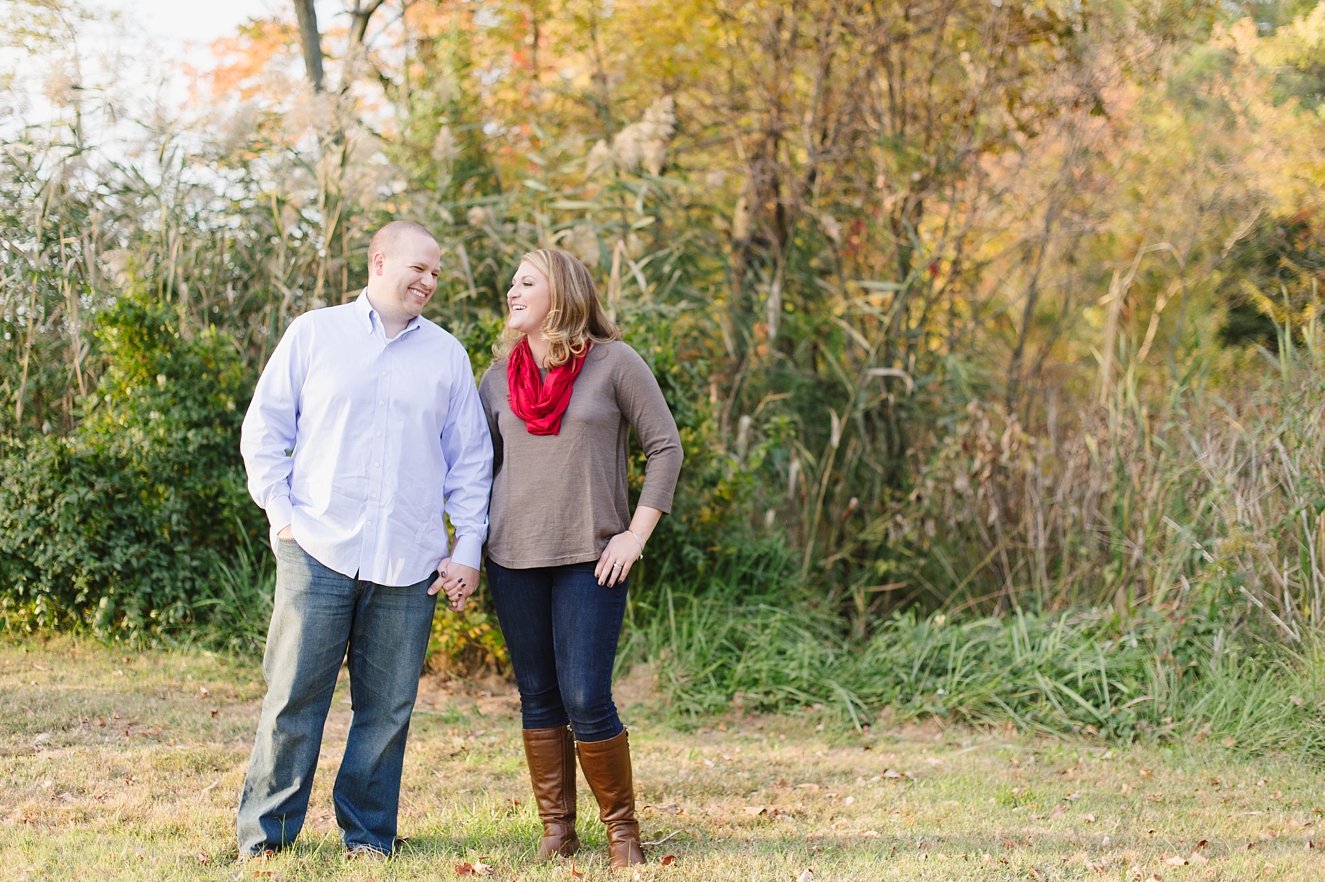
column 319, row 615
column 561, row 630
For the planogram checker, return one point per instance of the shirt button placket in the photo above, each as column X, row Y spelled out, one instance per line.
column 376, row 479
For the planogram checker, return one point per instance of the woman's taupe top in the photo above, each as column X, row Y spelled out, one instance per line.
column 558, row 499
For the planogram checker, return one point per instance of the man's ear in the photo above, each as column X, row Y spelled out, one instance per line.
column 376, row 262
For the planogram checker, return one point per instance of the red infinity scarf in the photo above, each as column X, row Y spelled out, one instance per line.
column 540, row 403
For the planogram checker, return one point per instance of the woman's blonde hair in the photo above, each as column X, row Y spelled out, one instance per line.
column 575, row 318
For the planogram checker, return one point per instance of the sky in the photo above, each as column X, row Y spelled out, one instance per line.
column 174, row 23
column 184, row 31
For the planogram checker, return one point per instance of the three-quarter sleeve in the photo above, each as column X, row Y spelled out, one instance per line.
column 641, row 402
column 486, row 389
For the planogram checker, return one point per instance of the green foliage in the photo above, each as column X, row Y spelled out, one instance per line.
column 121, row 526
column 469, row 642
column 1149, row 677
column 236, row 614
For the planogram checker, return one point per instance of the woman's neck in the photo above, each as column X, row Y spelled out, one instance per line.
column 538, row 346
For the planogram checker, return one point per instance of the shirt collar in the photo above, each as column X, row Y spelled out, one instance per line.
column 371, row 320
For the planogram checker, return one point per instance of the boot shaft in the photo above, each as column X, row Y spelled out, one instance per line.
column 607, row 769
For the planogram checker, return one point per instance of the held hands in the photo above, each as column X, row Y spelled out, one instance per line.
column 617, row 559
column 457, row 580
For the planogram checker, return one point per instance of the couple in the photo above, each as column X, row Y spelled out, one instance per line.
column 365, row 428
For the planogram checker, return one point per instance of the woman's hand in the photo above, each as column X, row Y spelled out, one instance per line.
column 457, row 580
column 617, row 559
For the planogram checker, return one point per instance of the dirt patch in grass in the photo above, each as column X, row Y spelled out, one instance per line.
column 128, row 766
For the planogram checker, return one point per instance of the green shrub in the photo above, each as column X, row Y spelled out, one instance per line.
column 747, row 638
column 121, row 526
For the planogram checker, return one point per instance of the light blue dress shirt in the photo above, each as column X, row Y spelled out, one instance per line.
column 361, row 443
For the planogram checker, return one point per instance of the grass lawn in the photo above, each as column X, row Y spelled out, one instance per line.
column 127, row 766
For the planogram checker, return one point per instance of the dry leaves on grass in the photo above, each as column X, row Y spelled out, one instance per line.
column 477, row 868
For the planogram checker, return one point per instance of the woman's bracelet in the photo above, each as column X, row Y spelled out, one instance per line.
column 639, row 540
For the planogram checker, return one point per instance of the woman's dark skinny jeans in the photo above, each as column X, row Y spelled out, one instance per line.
column 561, row 630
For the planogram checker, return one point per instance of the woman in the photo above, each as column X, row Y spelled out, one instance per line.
column 561, row 400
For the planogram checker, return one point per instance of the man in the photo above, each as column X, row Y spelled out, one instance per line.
column 365, row 428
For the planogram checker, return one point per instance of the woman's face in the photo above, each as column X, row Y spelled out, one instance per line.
column 528, row 300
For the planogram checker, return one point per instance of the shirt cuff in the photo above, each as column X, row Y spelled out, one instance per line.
column 280, row 514
column 468, row 551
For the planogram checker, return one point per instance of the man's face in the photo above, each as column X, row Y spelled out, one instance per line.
column 406, row 274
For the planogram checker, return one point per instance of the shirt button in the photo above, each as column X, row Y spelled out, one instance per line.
column 380, row 403
column 379, row 434
column 370, row 523
column 377, row 465
column 384, row 373
column 374, row 495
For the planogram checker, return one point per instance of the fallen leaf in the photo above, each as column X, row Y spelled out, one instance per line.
column 807, row 875
column 1203, row 843
column 1089, row 819
column 755, row 810
column 215, row 711
column 574, row 872
column 668, row 860
column 892, row 773
column 477, row 868
column 1094, row 866
column 1229, row 742
column 1198, row 858
column 1176, row 861
column 1035, row 874
column 204, row 858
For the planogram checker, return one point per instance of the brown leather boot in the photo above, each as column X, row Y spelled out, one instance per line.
column 551, row 757
column 606, row 766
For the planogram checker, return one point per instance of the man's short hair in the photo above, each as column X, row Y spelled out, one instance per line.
column 386, row 239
